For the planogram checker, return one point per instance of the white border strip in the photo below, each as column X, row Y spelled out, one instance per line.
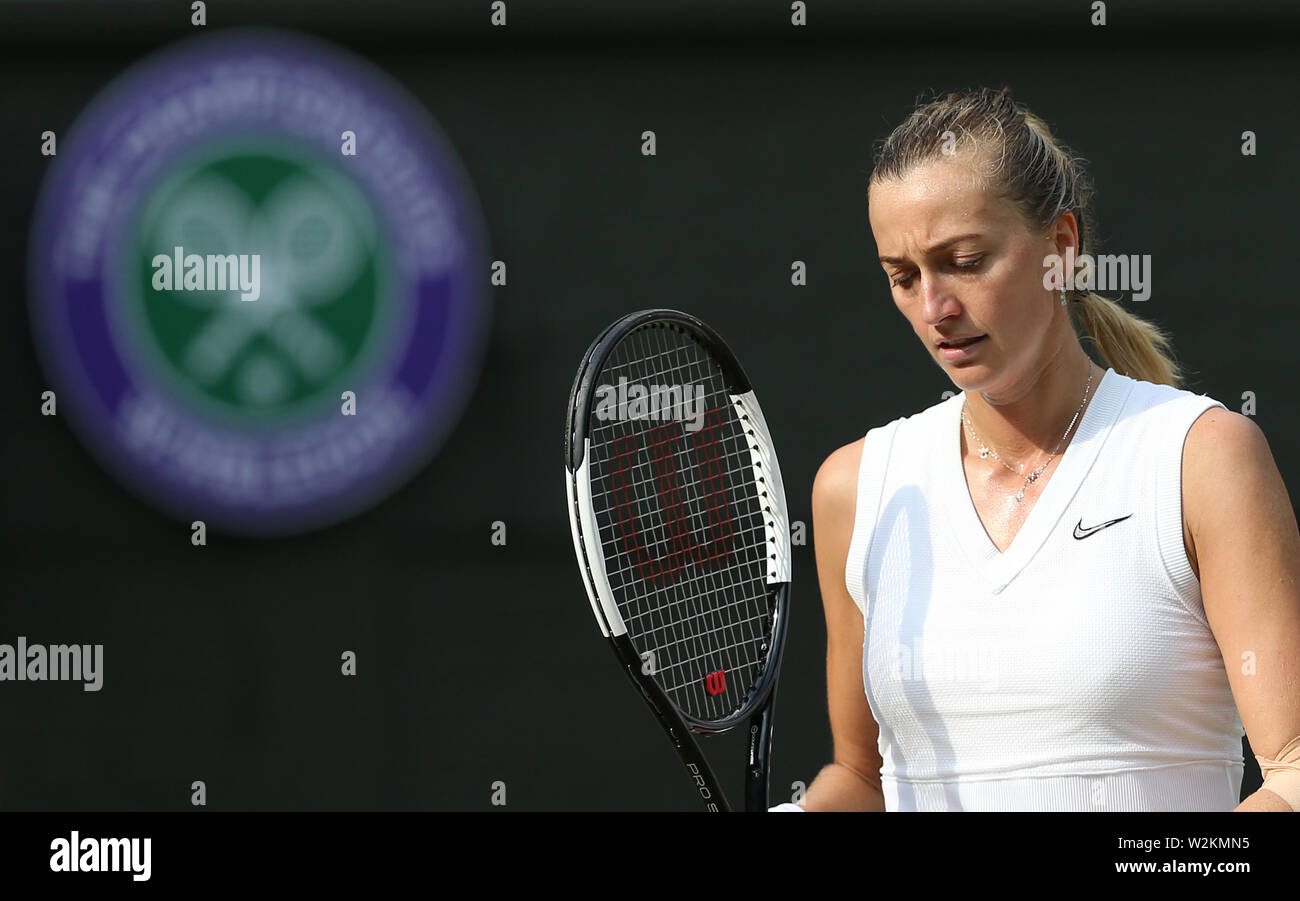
column 776, row 524
column 577, row 550
column 586, row 526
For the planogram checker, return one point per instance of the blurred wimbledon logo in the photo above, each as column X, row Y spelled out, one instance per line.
column 257, row 282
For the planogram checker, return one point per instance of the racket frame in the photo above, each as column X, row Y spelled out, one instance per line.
column 679, row 726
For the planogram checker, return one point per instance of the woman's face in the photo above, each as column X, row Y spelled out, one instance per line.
column 968, row 275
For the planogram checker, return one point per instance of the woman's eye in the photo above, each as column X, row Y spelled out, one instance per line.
column 904, row 281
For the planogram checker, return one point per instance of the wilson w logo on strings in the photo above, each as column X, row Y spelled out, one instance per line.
column 680, row 545
column 715, row 683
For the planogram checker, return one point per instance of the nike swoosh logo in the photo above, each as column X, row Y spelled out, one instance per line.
column 1081, row 533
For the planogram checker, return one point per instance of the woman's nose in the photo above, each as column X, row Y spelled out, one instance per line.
column 937, row 300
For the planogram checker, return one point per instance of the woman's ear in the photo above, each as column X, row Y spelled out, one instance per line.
column 1065, row 234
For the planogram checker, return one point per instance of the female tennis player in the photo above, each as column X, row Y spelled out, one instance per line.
column 1066, row 587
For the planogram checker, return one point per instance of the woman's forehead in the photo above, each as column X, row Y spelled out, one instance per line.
column 944, row 178
column 938, row 192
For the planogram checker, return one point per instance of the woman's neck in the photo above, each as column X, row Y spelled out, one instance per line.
column 1028, row 419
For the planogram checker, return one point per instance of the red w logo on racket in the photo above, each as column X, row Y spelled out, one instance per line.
column 716, row 683
column 682, row 545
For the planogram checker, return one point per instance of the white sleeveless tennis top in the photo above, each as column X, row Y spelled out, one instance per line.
column 1075, row 671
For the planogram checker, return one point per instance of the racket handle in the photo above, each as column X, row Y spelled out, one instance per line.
column 760, row 750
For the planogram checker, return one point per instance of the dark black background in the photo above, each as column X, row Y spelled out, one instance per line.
column 480, row 663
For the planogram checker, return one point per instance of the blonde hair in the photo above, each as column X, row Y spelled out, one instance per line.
column 1024, row 164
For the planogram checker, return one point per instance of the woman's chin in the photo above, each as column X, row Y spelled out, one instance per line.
column 972, row 376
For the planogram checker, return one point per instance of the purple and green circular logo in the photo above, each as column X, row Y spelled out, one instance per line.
column 257, row 282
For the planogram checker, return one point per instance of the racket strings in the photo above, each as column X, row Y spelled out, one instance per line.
column 682, row 529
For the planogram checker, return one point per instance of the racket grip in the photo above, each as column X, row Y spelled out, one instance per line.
column 760, row 749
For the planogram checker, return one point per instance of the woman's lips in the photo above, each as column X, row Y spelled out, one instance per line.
column 960, row 348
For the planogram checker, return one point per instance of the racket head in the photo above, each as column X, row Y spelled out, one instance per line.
column 679, row 516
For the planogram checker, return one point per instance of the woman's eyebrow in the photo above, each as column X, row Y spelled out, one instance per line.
column 936, row 248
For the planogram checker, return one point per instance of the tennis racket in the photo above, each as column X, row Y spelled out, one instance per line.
column 680, row 527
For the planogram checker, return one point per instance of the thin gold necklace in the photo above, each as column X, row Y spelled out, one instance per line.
column 986, row 451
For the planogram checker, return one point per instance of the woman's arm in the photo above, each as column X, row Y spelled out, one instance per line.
column 1243, row 544
column 852, row 781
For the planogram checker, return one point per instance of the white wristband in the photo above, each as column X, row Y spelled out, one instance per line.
column 787, row 807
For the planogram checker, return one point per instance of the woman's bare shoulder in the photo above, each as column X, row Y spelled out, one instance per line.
column 836, row 484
